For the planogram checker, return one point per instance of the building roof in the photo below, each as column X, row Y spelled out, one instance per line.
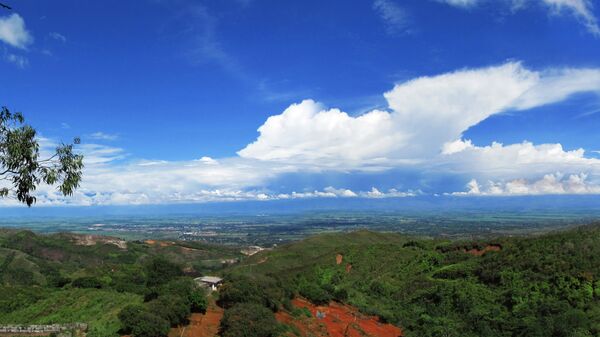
column 209, row 279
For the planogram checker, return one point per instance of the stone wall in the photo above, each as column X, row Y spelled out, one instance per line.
column 37, row 329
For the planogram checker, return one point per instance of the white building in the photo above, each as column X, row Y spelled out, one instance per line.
column 211, row 282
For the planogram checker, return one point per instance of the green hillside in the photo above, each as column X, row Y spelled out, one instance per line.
column 547, row 285
column 533, row 286
column 66, row 278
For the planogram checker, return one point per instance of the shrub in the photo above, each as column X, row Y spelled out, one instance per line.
column 314, row 293
column 87, row 282
column 198, row 300
column 249, row 320
column 173, row 309
column 160, row 271
column 138, row 321
column 243, row 290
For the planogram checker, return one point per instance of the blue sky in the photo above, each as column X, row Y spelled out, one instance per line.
column 152, row 87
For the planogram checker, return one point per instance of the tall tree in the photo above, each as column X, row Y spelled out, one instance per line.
column 22, row 170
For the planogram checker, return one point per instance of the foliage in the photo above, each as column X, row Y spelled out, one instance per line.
column 64, row 282
column 21, row 166
column 174, row 309
column 160, row 270
column 140, row 322
column 534, row 286
column 87, row 282
column 249, row 320
column 97, row 307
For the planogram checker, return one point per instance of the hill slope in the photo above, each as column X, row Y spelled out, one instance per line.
column 532, row 286
column 66, row 278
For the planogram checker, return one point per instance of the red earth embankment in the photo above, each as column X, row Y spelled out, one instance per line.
column 337, row 320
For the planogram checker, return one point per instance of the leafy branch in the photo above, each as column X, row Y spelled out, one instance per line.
column 22, row 170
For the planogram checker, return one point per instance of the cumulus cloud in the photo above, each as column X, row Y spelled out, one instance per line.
column 522, row 159
column 425, row 116
column 556, row 183
column 208, row 161
column 420, row 131
column 308, row 133
column 13, row 31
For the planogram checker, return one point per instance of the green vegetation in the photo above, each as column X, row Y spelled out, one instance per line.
column 67, row 306
column 21, row 165
column 168, row 303
column 66, row 278
column 249, row 319
column 546, row 285
column 533, row 286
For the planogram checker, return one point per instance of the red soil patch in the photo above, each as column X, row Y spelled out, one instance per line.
column 348, row 268
column 338, row 259
column 306, row 326
column 53, row 254
column 160, row 243
column 480, row 252
column 201, row 325
column 339, row 321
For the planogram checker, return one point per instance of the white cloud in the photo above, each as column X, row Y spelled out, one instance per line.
column 456, row 146
column 13, row 31
column 425, row 115
column 103, row 136
column 58, row 37
column 460, row 3
column 20, row 61
column 420, row 131
column 556, row 183
column 498, row 160
column 331, row 192
column 208, row 161
column 582, row 9
column 394, row 16
column 556, row 85
column 308, row 133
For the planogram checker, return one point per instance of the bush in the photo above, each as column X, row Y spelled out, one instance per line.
column 314, row 293
column 160, row 271
column 139, row 322
column 173, row 309
column 249, row 320
column 87, row 282
column 244, row 290
column 198, row 300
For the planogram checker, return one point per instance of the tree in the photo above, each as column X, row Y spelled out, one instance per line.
column 159, row 271
column 171, row 308
column 198, row 299
column 249, row 320
column 22, row 170
column 139, row 322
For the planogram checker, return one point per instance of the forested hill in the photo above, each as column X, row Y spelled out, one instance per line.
column 67, row 278
column 546, row 285
column 522, row 286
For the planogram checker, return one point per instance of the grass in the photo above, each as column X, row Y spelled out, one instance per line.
column 98, row 308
